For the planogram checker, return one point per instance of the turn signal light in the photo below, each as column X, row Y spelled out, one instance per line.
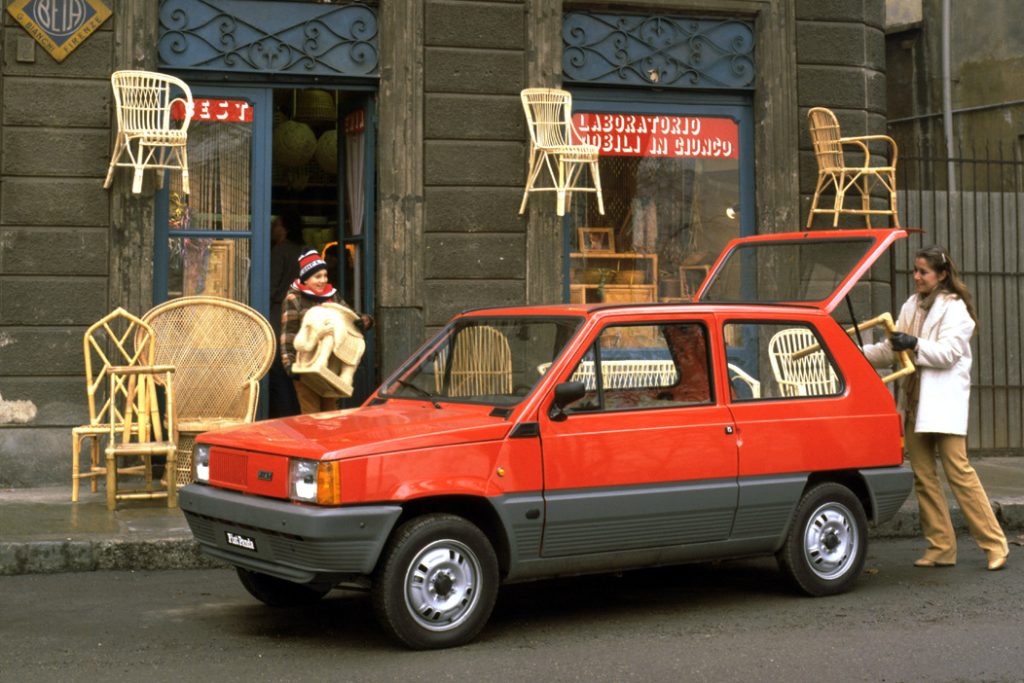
column 328, row 483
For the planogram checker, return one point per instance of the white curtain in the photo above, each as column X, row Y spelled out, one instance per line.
column 355, row 178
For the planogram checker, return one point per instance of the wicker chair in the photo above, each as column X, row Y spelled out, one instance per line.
column 481, row 364
column 549, row 120
column 220, row 350
column 833, row 171
column 118, row 338
column 145, row 131
column 139, row 429
column 799, row 364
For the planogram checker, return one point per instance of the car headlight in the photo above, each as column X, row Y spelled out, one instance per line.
column 201, row 462
column 302, row 480
column 310, row 481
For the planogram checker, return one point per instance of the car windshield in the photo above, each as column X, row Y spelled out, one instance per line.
column 806, row 271
column 489, row 360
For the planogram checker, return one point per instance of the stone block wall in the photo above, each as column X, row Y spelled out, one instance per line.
column 54, row 242
column 840, row 49
column 474, row 156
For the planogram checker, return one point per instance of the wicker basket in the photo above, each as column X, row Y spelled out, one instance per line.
column 631, row 276
column 315, row 106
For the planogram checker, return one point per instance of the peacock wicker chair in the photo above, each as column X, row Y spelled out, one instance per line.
column 220, row 350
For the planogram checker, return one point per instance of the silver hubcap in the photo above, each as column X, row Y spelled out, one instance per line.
column 830, row 541
column 441, row 585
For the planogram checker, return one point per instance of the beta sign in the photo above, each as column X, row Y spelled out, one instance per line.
column 646, row 135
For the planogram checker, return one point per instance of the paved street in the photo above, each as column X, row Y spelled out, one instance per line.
column 732, row 621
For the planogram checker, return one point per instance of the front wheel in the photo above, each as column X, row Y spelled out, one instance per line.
column 276, row 592
column 436, row 583
column 826, row 547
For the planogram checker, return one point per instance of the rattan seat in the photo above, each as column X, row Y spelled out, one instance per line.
column 220, row 350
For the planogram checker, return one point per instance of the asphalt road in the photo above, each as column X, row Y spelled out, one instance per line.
column 730, row 621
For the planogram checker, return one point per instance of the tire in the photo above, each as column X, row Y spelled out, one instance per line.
column 827, row 544
column 436, row 582
column 276, row 592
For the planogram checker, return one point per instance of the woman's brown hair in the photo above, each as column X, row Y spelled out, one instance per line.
column 940, row 261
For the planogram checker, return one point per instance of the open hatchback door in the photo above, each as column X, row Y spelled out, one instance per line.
column 810, row 268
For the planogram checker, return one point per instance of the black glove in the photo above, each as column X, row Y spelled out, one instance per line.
column 902, row 341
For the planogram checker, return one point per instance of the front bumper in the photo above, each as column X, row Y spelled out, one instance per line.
column 299, row 543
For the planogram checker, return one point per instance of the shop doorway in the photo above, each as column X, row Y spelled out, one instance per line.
column 257, row 153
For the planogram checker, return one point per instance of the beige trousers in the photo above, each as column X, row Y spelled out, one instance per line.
column 951, row 449
column 312, row 402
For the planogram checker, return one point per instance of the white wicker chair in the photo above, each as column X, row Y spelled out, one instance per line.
column 549, row 120
column 146, row 133
column 797, row 371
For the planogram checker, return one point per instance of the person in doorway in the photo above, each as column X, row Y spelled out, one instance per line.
column 286, row 246
column 936, row 325
column 311, row 288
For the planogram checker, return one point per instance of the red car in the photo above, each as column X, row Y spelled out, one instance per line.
column 530, row 442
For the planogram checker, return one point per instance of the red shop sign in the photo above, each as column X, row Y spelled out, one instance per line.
column 238, row 111
column 645, row 135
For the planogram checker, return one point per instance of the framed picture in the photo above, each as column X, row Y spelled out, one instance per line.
column 596, row 240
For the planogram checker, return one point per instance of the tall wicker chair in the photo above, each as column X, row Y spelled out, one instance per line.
column 139, row 429
column 220, row 350
column 798, row 370
column 549, row 120
column 118, row 338
column 146, row 133
column 835, row 173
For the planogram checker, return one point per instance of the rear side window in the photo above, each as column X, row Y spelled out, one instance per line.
column 645, row 366
column 773, row 360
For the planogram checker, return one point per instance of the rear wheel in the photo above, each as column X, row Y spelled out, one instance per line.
column 827, row 543
column 277, row 592
column 436, row 583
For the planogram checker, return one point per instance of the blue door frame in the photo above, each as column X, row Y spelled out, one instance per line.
column 737, row 106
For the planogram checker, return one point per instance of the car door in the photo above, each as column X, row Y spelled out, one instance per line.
column 648, row 457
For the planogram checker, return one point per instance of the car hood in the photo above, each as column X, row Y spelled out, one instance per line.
column 368, row 430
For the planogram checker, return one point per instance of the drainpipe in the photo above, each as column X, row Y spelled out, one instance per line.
column 947, row 97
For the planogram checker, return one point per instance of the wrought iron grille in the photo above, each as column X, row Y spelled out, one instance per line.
column 663, row 51
column 981, row 222
column 269, row 37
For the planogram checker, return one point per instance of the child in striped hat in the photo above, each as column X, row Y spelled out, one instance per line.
column 310, row 289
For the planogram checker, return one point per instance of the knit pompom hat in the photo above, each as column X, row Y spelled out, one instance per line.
column 310, row 263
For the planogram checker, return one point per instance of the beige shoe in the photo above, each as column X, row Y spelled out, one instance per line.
column 996, row 562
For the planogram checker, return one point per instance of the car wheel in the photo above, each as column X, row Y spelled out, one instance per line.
column 436, row 582
column 277, row 592
column 827, row 543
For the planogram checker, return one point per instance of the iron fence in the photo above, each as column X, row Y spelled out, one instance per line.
column 973, row 205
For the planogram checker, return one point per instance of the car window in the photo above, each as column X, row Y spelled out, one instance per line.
column 773, row 360
column 645, row 366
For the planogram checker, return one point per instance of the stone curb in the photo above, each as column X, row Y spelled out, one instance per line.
column 51, row 557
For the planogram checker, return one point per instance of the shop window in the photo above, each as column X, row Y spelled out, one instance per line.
column 671, row 189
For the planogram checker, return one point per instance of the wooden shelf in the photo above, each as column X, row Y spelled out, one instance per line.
column 635, row 278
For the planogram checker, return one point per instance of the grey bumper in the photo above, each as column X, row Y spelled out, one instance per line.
column 888, row 488
column 299, row 543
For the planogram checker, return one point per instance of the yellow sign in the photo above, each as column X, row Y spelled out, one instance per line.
column 59, row 26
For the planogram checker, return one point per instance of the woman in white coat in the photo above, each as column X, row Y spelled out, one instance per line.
column 936, row 324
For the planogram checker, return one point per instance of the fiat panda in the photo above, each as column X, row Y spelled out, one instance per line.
column 531, row 442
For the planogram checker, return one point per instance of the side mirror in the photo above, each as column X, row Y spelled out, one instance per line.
column 565, row 393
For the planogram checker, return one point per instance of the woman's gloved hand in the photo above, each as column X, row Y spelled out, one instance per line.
column 902, row 341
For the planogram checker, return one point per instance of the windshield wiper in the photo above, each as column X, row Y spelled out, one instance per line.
column 420, row 392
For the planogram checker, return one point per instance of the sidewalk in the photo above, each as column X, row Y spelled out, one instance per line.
column 41, row 531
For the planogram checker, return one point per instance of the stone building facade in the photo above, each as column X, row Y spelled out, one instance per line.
column 449, row 155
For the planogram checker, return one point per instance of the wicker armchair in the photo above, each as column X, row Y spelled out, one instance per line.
column 549, row 120
column 220, row 350
column 117, row 339
column 145, row 132
column 833, row 171
column 800, row 365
